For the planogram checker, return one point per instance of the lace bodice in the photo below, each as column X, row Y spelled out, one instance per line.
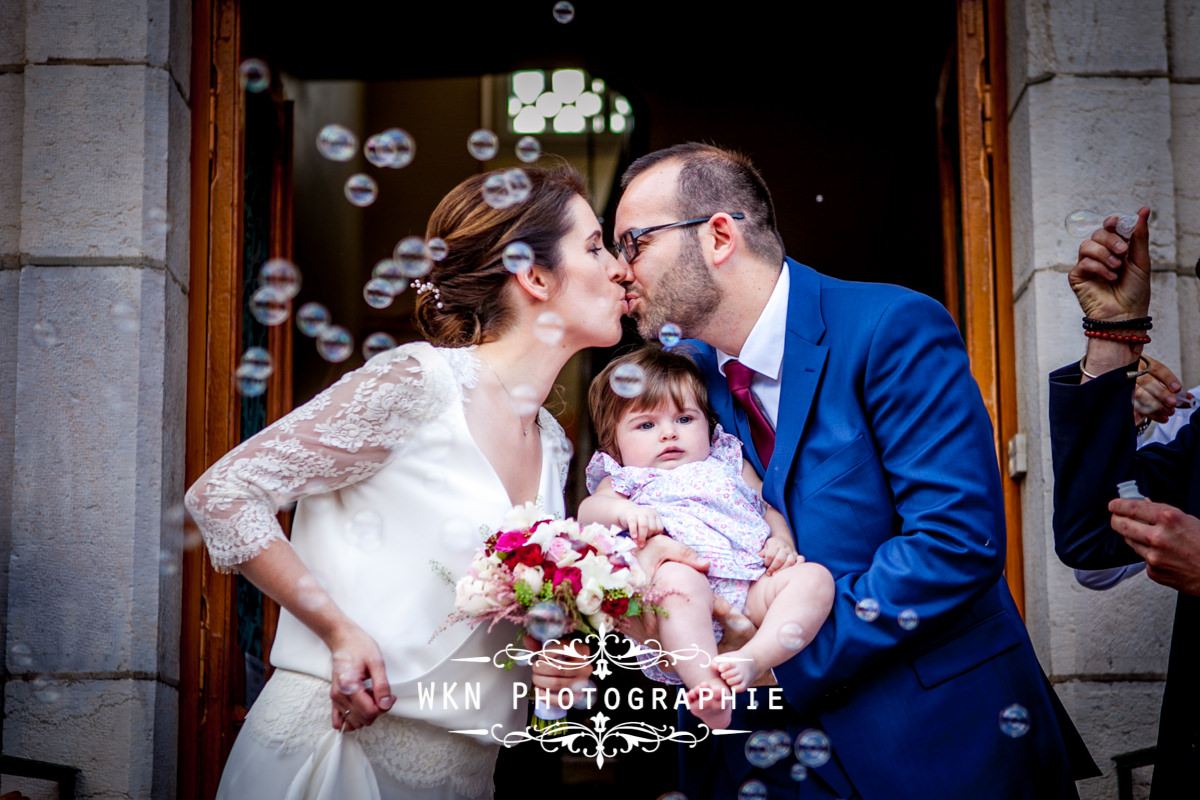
column 344, row 435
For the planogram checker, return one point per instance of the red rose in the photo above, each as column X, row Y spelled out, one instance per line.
column 528, row 554
column 510, row 540
column 571, row 575
column 616, row 606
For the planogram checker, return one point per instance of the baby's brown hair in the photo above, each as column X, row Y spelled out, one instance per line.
column 670, row 376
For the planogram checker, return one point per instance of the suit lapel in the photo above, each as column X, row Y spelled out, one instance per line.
column 803, row 365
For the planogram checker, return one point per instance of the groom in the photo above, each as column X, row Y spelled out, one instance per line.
column 858, row 409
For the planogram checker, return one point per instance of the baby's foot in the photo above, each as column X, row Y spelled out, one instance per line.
column 737, row 668
column 709, row 700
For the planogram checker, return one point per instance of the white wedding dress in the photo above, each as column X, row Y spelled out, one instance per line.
column 393, row 498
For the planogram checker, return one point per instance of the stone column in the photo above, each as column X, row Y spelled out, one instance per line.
column 1100, row 118
column 94, row 152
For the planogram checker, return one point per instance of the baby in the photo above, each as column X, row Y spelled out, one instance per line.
column 666, row 467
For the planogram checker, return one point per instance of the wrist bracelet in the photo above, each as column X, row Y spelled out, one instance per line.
column 1084, row 369
column 1134, row 324
column 1127, row 338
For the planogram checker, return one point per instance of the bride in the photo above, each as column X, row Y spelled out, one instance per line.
column 397, row 469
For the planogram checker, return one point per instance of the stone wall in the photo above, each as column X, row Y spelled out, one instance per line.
column 1104, row 103
column 94, row 153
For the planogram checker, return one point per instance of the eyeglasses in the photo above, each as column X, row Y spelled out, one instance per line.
column 627, row 245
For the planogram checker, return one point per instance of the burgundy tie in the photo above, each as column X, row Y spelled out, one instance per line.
column 739, row 376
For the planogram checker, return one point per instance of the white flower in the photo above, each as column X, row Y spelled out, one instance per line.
column 471, row 596
column 589, row 599
column 602, row 622
column 533, row 576
column 521, row 518
column 595, row 570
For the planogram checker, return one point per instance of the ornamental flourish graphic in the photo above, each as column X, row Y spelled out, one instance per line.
column 600, row 741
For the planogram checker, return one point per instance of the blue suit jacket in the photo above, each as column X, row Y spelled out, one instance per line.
column 885, row 468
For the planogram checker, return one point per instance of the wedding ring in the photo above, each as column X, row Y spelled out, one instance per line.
column 345, row 715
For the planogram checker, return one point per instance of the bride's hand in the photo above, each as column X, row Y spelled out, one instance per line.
column 359, row 689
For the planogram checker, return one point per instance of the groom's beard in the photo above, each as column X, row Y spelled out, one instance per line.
column 686, row 296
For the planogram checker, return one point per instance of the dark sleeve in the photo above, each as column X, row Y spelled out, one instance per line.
column 1094, row 445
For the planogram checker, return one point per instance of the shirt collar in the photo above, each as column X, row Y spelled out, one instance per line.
column 763, row 349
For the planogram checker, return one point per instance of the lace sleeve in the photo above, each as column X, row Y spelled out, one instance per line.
column 343, row 435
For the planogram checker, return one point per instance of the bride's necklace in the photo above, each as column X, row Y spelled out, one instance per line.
column 515, row 405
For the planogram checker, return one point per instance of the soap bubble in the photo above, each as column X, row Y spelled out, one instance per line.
column 496, row 192
column 309, row 593
column 560, row 449
column 867, row 609
column 157, row 221
column 1014, row 721
column 813, row 748
column 337, row 143
column 45, row 334
column 669, row 335
column 799, row 772
column 437, row 249
column 46, row 690
column 168, row 562
column 256, row 363
column 518, row 258
column 389, row 271
column 759, row 751
column 376, row 343
column 752, row 790
column 908, row 619
column 791, row 636
column 378, row 293
column 546, row 620
column 673, row 796
column 483, row 144
column 781, row 744
column 361, row 189
column 820, row 198
column 254, row 75
column 393, row 149
column 627, row 380
column 549, row 327
column 124, row 316
column 281, row 274
column 519, row 185
column 586, row 695
column 269, row 305
column 460, row 535
column 411, row 255
column 404, row 147
column 250, row 387
column 335, row 344
column 564, row 12
column 20, row 656
column 312, row 318
column 528, row 149
column 525, row 399
column 365, row 531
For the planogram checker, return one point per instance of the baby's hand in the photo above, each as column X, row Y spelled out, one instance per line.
column 778, row 554
column 642, row 522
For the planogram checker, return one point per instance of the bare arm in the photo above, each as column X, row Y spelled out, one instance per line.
column 608, row 507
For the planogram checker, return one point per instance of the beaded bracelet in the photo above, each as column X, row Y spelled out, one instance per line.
column 1117, row 337
column 1135, row 324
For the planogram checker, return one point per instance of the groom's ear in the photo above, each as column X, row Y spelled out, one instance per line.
column 535, row 282
column 725, row 237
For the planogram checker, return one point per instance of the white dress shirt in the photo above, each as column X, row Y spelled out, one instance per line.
column 763, row 349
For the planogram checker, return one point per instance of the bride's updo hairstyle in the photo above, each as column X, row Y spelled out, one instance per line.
column 469, row 304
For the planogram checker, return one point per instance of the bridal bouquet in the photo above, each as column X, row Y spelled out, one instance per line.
column 553, row 576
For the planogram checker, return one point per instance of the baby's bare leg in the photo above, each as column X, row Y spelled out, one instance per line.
column 788, row 608
column 689, row 624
